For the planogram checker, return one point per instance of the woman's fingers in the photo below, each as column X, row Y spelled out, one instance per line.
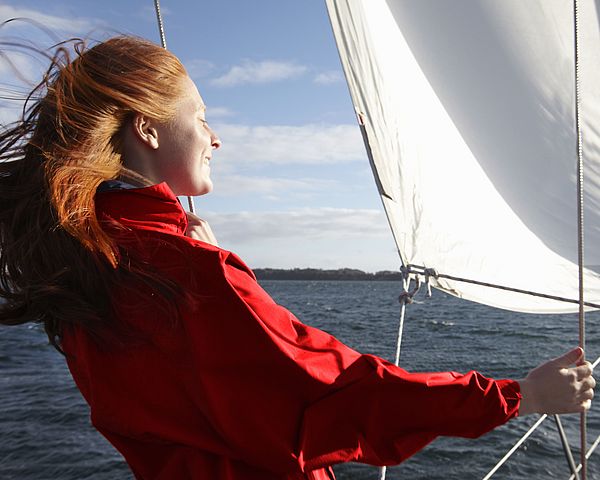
column 588, row 383
column 568, row 358
column 585, row 389
column 199, row 229
column 558, row 387
column 583, row 384
column 587, row 394
column 584, row 370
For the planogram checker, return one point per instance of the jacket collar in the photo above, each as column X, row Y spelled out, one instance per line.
column 147, row 208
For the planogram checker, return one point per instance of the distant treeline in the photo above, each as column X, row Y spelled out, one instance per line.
column 318, row 274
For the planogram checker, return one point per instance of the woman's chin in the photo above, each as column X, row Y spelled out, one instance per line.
column 195, row 190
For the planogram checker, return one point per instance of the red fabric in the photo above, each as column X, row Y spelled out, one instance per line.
column 239, row 388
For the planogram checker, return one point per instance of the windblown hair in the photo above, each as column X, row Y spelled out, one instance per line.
column 57, row 265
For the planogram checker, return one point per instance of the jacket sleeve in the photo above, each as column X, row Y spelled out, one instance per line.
column 285, row 396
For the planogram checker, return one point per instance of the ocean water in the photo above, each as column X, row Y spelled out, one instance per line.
column 44, row 423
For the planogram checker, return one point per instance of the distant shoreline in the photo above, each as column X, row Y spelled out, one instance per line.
column 319, row 274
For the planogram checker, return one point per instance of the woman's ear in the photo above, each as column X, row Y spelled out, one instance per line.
column 145, row 130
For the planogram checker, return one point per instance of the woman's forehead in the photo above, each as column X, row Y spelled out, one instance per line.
column 192, row 96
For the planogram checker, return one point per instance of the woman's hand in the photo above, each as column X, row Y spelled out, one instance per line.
column 199, row 229
column 558, row 387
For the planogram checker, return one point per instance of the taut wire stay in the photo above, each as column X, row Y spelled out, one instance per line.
column 163, row 41
column 580, row 230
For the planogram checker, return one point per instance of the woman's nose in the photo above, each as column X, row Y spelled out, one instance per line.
column 215, row 141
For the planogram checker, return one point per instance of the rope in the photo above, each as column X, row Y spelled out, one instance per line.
column 587, row 455
column 405, row 298
column 566, row 447
column 430, row 272
column 163, row 42
column 515, row 447
column 400, row 329
column 580, row 230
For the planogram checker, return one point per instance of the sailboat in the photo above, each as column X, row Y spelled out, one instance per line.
column 480, row 120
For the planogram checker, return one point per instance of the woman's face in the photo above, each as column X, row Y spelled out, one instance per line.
column 186, row 144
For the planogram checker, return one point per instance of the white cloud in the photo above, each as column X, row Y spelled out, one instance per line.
column 52, row 22
column 317, row 237
column 306, row 222
column 327, row 78
column 234, row 185
column 276, row 144
column 199, row 68
column 250, row 72
column 218, row 112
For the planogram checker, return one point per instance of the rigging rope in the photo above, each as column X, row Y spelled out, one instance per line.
column 515, row 447
column 587, row 455
column 405, row 298
column 580, row 229
column 566, row 447
column 430, row 272
column 163, row 41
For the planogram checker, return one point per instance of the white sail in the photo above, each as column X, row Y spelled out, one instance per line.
column 468, row 110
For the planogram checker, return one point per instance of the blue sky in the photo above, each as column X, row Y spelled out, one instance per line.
column 293, row 187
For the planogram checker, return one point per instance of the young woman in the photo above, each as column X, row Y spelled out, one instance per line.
column 190, row 369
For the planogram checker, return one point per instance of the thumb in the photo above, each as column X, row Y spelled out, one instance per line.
column 569, row 358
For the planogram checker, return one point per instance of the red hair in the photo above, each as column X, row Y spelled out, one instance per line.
column 57, row 265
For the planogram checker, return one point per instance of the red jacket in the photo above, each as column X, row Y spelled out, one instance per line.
column 239, row 388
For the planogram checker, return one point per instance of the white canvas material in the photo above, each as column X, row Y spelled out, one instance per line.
column 468, row 111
